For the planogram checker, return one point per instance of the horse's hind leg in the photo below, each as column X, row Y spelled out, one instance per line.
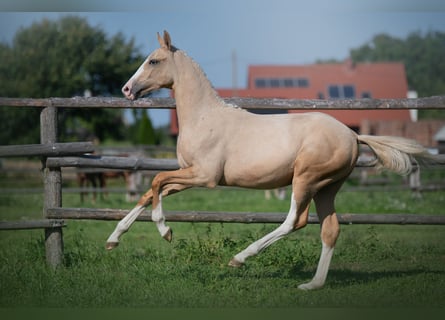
column 296, row 219
column 81, row 181
column 102, row 185
column 92, row 179
column 324, row 202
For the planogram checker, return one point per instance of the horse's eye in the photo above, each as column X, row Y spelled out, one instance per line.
column 153, row 62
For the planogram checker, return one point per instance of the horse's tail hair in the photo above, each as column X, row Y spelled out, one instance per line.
column 397, row 154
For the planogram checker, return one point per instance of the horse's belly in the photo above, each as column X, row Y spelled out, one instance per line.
column 265, row 174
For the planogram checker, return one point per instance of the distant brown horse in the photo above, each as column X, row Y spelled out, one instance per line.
column 221, row 144
column 95, row 179
column 98, row 179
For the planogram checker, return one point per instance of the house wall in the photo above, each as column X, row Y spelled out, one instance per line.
column 422, row 131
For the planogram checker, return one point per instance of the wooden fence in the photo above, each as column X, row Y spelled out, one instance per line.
column 57, row 155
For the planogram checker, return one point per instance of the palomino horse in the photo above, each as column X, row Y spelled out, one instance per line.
column 221, row 144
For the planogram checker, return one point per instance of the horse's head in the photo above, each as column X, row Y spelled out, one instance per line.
column 156, row 72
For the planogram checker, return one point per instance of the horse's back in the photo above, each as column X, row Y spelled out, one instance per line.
column 298, row 129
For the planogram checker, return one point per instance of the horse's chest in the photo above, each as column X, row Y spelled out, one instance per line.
column 198, row 146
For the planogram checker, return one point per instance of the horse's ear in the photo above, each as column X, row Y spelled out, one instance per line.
column 165, row 42
column 160, row 40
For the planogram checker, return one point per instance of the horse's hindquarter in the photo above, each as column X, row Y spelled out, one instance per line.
column 262, row 150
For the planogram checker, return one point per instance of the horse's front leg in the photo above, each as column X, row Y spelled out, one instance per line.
column 130, row 218
column 164, row 184
column 127, row 221
column 169, row 182
column 157, row 216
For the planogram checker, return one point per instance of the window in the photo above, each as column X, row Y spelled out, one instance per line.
column 281, row 83
column 288, row 82
column 334, row 92
column 341, row 91
column 348, row 91
column 260, row 83
column 275, row 83
column 366, row 94
column 303, row 83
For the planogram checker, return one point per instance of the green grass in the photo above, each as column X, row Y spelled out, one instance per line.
column 373, row 266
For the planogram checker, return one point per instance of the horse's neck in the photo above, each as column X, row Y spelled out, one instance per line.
column 194, row 93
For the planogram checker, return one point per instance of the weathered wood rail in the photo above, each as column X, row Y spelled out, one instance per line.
column 241, row 217
column 32, row 224
column 110, row 162
column 57, row 155
column 132, row 163
column 47, row 150
column 434, row 102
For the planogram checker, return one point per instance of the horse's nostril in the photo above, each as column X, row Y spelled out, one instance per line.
column 126, row 90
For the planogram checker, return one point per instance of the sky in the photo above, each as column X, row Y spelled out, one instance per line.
column 254, row 31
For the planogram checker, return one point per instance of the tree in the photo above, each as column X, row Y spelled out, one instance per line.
column 423, row 56
column 145, row 131
column 65, row 58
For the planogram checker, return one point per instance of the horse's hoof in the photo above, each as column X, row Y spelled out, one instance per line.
column 235, row 263
column 304, row 287
column 309, row 286
column 168, row 235
column 111, row 245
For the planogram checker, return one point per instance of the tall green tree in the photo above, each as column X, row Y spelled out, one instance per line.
column 65, row 58
column 145, row 132
column 423, row 56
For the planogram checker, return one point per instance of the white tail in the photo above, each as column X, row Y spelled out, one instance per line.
column 395, row 153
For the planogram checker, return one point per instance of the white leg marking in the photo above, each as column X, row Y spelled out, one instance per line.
column 157, row 215
column 322, row 269
column 125, row 224
column 286, row 227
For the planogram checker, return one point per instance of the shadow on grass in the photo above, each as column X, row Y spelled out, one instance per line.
column 337, row 278
column 342, row 278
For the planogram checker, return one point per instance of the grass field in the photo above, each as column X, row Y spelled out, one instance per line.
column 373, row 266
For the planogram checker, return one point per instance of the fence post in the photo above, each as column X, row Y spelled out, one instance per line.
column 52, row 188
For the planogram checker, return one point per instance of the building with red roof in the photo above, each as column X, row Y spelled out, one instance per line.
column 346, row 80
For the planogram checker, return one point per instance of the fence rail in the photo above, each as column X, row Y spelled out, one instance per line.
column 241, row 217
column 56, row 155
column 110, row 162
column 47, row 150
column 32, row 224
column 434, row 102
